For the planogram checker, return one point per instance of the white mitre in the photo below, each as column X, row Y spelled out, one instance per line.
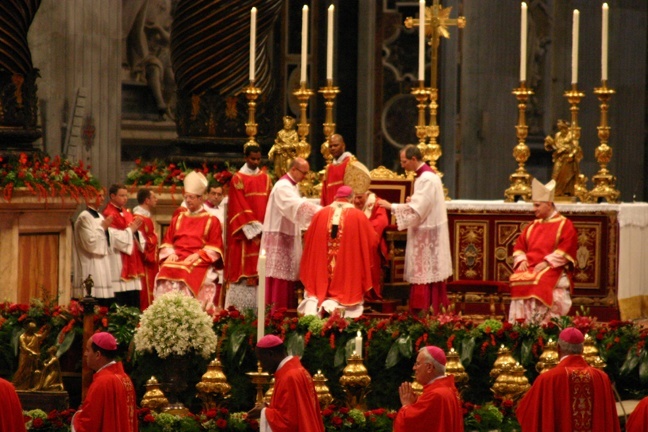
column 195, row 183
column 543, row 193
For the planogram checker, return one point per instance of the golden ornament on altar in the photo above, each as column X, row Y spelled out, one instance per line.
column 355, row 380
column 549, row 357
column 512, row 383
column 213, row 387
column 417, row 387
column 285, row 148
column 323, row 394
column 591, row 354
column 267, row 397
column 456, row 369
column 259, row 378
column 503, row 363
column 154, row 398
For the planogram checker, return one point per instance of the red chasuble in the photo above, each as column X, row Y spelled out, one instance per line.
column 541, row 238
column 338, row 268
column 11, row 419
column 437, row 409
column 188, row 234
column 294, row 406
column 638, row 420
column 132, row 267
column 571, row 397
column 247, row 202
column 110, row 404
column 333, row 179
column 150, row 261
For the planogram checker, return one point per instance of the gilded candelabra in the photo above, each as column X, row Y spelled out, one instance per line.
column 303, row 127
column 512, row 383
column 154, row 398
column 591, row 354
column 520, row 179
column 355, row 380
column 330, row 92
column 213, row 388
column 421, row 94
column 251, row 93
column 549, row 357
column 261, row 379
column 267, row 397
column 455, row 368
column 604, row 181
column 574, row 97
column 433, row 149
column 323, row 394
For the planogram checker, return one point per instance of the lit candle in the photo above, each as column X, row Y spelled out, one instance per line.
column 523, row 42
column 253, row 14
column 358, row 344
column 421, row 68
column 261, row 296
column 604, row 43
column 329, row 44
column 574, row 77
column 304, row 50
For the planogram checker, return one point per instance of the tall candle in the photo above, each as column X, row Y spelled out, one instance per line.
column 523, row 42
column 604, row 43
column 358, row 344
column 304, row 45
column 261, row 296
column 421, row 64
column 574, row 76
column 253, row 14
column 329, row 44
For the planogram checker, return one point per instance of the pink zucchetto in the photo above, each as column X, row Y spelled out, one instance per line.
column 344, row 192
column 572, row 335
column 437, row 354
column 105, row 340
column 269, row 341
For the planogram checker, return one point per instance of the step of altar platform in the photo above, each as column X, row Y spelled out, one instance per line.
column 44, row 400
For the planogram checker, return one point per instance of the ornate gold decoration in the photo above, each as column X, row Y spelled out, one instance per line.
column 329, row 92
column 604, row 181
column 520, row 179
column 566, row 158
column 285, row 148
column 549, row 357
column 382, row 173
column 251, row 93
column 259, row 378
column 213, row 388
column 591, row 354
column 417, row 387
column 503, row 363
column 303, row 127
column 512, row 383
column 323, row 395
column 421, row 94
column 455, row 368
column 355, row 382
column 268, row 394
column 357, row 177
column 154, row 398
column 471, row 242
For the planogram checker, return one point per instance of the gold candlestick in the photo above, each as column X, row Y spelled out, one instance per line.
column 251, row 93
column 330, row 92
column 520, row 179
column 259, row 378
column 323, row 394
column 355, row 380
column 433, row 151
column 421, row 94
column 549, row 357
column 604, row 181
column 303, row 127
column 213, row 388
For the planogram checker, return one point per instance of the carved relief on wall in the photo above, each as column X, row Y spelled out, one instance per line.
column 586, row 269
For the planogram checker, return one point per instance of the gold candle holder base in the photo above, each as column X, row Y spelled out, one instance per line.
column 260, row 379
column 421, row 94
column 321, row 389
column 329, row 92
column 604, row 181
column 154, row 398
column 303, row 127
column 355, row 381
column 251, row 93
column 213, row 388
column 520, row 180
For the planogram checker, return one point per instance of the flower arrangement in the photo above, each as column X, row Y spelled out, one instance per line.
column 342, row 418
column 175, row 324
column 46, row 177
column 54, row 421
column 160, row 173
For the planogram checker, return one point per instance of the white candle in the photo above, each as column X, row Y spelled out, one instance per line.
column 253, row 14
column 604, row 43
column 304, row 44
column 261, row 296
column 358, row 344
column 523, row 42
column 329, row 44
column 574, row 76
column 421, row 65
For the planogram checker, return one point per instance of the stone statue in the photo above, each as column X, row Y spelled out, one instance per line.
column 286, row 147
column 50, row 377
column 28, row 373
column 566, row 158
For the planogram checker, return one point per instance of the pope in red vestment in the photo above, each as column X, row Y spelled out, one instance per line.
column 11, row 419
column 334, row 174
column 337, row 262
column 638, row 420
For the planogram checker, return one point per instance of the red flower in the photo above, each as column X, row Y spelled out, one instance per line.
column 337, row 421
column 221, row 423
column 148, row 418
column 37, row 422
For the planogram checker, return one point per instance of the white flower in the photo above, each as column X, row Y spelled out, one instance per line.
column 176, row 324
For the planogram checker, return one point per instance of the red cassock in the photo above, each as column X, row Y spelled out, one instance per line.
column 379, row 220
column 638, row 420
column 437, row 409
column 333, row 179
column 557, row 235
column 132, row 267
column 294, row 406
column 192, row 233
column 338, row 268
column 11, row 417
column 110, row 404
column 247, row 202
column 150, row 261
column 572, row 397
